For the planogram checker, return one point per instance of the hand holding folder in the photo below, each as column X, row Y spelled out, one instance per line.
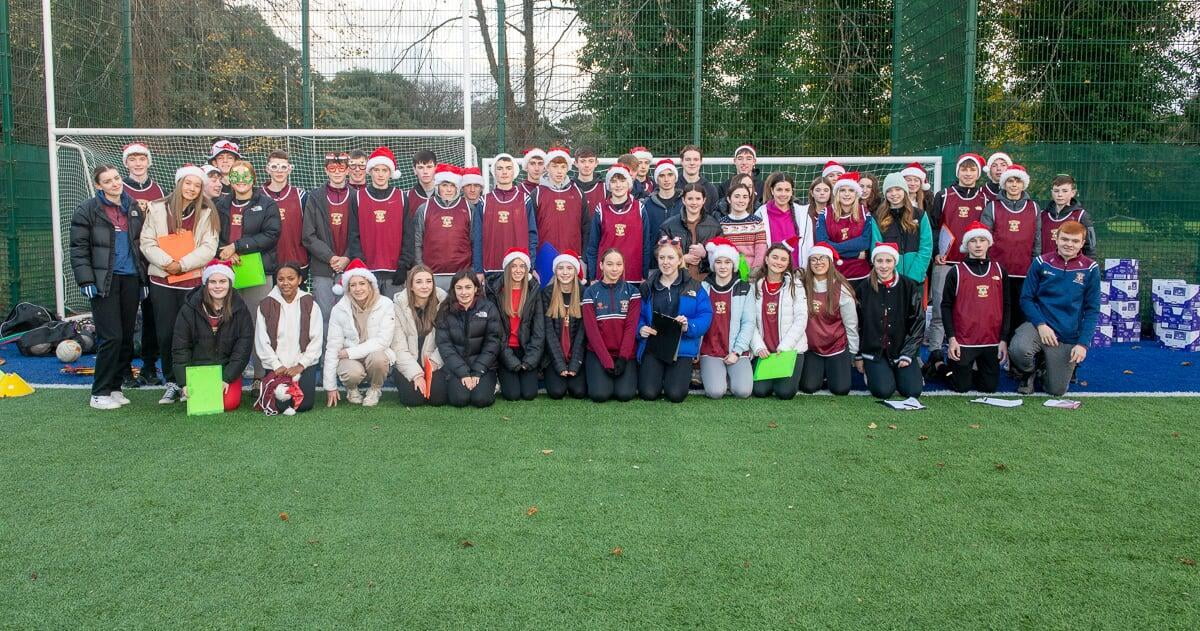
column 664, row 344
column 177, row 246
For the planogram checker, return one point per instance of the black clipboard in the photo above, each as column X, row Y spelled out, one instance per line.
column 665, row 343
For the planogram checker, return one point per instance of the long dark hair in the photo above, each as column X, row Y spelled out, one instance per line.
column 452, row 299
column 223, row 310
column 835, row 284
column 764, row 269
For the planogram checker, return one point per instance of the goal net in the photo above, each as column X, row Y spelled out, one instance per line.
column 79, row 153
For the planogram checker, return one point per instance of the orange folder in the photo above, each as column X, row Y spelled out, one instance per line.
column 177, row 246
column 428, row 377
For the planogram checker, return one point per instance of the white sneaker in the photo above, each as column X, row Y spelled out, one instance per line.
column 171, row 394
column 289, row 412
column 119, row 397
column 372, row 398
column 354, row 395
column 104, row 403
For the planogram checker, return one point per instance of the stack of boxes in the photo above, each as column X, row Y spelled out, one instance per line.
column 1120, row 312
column 1176, row 314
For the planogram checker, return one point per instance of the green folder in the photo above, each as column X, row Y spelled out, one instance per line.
column 249, row 272
column 775, row 366
column 206, row 391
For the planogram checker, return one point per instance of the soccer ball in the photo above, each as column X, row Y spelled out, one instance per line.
column 68, row 351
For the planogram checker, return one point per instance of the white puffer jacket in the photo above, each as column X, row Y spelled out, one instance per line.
column 404, row 344
column 793, row 317
column 381, row 326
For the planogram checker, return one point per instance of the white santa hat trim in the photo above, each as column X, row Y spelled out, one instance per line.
column 133, row 149
column 383, row 156
column 470, row 176
column 641, row 153
column 356, row 268
column 917, row 171
column 997, row 156
column 209, row 169
column 832, row 168
column 617, row 169
column 515, row 254
column 222, row 146
column 745, row 149
column 447, row 173
column 979, row 231
column 569, row 258
column 845, row 181
column 216, row 268
column 556, row 153
column 721, row 247
column 885, row 248
column 821, row 250
column 665, row 165
column 189, row 169
column 1016, row 171
column 506, row 156
column 534, row 153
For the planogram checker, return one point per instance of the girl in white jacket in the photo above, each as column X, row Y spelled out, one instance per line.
column 415, row 341
column 782, row 317
column 359, row 348
column 287, row 338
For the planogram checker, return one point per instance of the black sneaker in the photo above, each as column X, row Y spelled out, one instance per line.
column 131, row 383
column 1025, row 383
column 149, row 377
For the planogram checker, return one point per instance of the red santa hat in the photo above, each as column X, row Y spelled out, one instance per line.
column 560, row 153
column 665, row 165
column 224, row 146
column 641, row 153
column 516, row 254
column 914, row 169
column 824, row 249
column 746, row 148
column 832, row 168
column 570, row 257
column 133, row 149
column 444, row 173
column 792, row 244
column 886, row 248
column 1017, row 171
column 216, row 267
column 849, row 180
column 189, row 169
column 383, row 156
column 534, row 152
column 719, row 247
column 472, row 175
column 355, row 268
column 975, row 229
column 969, row 157
column 615, row 170
column 506, row 156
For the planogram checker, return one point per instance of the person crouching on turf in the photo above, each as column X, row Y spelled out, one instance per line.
column 565, row 343
column 287, row 338
column 891, row 327
column 415, row 343
column 611, row 308
column 215, row 328
column 469, row 334
column 974, row 312
column 361, row 328
column 832, row 329
column 782, row 319
column 1061, row 300
column 518, row 296
column 725, row 350
column 669, row 291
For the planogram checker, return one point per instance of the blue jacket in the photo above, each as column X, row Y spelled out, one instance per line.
column 659, row 210
column 1065, row 295
column 693, row 305
column 742, row 314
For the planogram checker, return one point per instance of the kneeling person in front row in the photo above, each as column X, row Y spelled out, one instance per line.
column 415, row 344
column 287, row 338
column 975, row 308
column 360, row 338
column 611, row 308
column 469, row 333
column 891, row 327
column 669, row 291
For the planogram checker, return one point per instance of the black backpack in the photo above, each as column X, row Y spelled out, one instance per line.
column 43, row 341
column 25, row 316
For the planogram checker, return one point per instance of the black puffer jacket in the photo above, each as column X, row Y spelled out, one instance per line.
column 469, row 339
column 531, row 334
column 195, row 344
column 554, row 358
column 891, row 322
column 92, row 239
column 260, row 226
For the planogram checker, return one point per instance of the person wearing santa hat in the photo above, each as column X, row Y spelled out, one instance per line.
column 953, row 209
column 214, row 328
column 781, row 318
column 586, row 161
column 611, row 308
column 213, row 187
column 643, row 186
column 361, row 329
column 470, row 332
column 667, row 200
column 504, row 221
column 832, row 329
column 619, row 222
column 443, row 228
column 745, row 162
column 725, row 349
column 385, row 230
column 424, row 165
column 1012, row 219
column 472, row 187
column 975, row 307
column 518, row 296
column 223, row 154
column 692, row 227
column 139, row 185
column 891, row 325
column 916, row 182
column 534, row 162
column 558, row 204
column 898, row 221
column 669, row 292
column 287, row 339
column 418, row 370
column 997, row 164
column 832, row 171
column 562, row 361
column 846, row 224
column 691, row 159
column 185, row 210
column 290, row 200
column 330, row 226
column 784, row 217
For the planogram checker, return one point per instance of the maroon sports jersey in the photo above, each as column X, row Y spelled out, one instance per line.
column 958, row 212
column 381, row 229
column 559, row 216
column 505, row 225
column 625, row 231
column 446, row 241
column 716, row 339
column 825, row 330
column 978, row 306
column 1013, row 233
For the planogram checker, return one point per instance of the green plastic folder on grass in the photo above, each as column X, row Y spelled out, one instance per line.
column 775, row 366
column 249, row 272
column 205, row 390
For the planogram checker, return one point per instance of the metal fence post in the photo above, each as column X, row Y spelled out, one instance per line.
column 697, row 60
column 897, row 19
column 971, row 34
column 501, row 76
column 127, row 57
column 7, row 161
column 306, row 95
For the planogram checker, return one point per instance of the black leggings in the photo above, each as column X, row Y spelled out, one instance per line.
column 783, row 388
column 521, row 385
column 986, row 375
column 484, row 394
column 167, row 303
column 409, row 397
column 819, row 370
column 602, row 386
column 885, row 378
column 657, row 378
column 1016, row 315
column 558, row 386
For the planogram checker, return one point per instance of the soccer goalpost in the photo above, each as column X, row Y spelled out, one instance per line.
column 75, row 151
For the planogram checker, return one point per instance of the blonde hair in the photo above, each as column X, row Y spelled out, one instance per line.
column 908, row 220
column 177, row 208
column 565, row 309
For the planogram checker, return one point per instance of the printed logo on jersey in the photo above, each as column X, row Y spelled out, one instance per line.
column 1078, row 278
column 380, row 216
column 981, row 291
column 560, row 205
column 964, row 212
column 995, row 278
column 502, row 216
column 619, row 229
column 236, row 220
column 282, row 214
column 719, row 307
column 816, row 306
column 447, row 222
column 772, row 308
column 624, row 306
column 1054, row 234
column 1014, row 225
column 335, row 219
column 845, row 233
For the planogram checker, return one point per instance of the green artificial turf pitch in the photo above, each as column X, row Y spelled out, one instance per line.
column 729, row 514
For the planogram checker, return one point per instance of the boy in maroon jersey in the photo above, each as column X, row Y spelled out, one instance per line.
column 503, row 221
column 619, row 223
column 592, row 187
column 385, row 231
column 290, row 199
column 443, row 228
column 562, row 219
column 535, row 167
column 1012, row 220
column 424, row 164
column 1061, row 208
column 975, row 308
column 330, row 225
